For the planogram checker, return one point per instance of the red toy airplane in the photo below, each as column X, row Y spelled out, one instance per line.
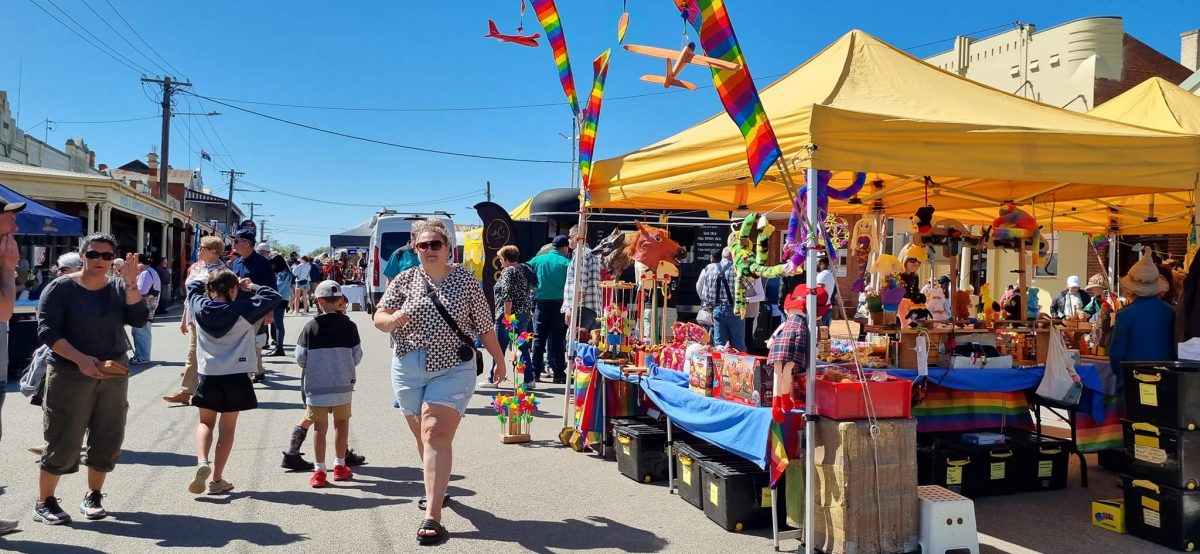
column 523, row 40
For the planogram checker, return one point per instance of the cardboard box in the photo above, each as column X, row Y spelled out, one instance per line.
column 700, row 373
column 745, row 379
column 1109, row 514
column 849, row 513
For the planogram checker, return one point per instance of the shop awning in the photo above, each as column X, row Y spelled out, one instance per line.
column 521, row 213
column 37, row 219
column 356, row 236
column 1156, row 104
column 863, row 105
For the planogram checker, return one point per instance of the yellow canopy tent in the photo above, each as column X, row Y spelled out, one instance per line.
column 863, row 105
column 472, row 257
column 1156, row 104
column 521, row 212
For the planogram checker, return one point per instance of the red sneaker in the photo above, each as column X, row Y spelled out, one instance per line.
column 341, row 473
column 318, row 480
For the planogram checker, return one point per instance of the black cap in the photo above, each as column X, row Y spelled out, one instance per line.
column 561, row 241
column 244, row 234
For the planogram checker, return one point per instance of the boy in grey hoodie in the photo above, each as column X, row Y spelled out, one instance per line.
column 328, row 351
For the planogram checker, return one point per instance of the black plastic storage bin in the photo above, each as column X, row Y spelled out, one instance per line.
column 688, row 454
column 1043, row 460
column 944, row 467
column 1162, row 514
column 641, row 451
column 1163, row 393
column 994, row 468
column 737, row 494
column 1161, row 454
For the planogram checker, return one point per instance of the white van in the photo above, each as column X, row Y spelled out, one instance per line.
column 389, row 233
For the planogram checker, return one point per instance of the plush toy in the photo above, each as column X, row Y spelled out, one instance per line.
column 887, row 264
column 862, row 245
column 924, row 219
column 748, row 263
column 1031, row 303
column 892, row 292
column 936, row 303
column 918, row 312
column 919, row 253
column 789, row 346
column 797, row 233
column 962, row 305
column 1012, row 309
column 1013, row 223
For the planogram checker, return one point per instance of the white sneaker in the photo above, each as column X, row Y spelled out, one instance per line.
column 7, row 526
column 485, row 384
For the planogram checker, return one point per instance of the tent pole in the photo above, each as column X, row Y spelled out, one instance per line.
column 810, row 393
column 1112, row 260
column 576, row 298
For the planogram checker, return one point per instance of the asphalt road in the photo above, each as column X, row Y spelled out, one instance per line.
column 535, row 497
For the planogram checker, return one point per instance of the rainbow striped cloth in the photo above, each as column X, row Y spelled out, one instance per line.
column 946, row 410
column 1093, row 435
column 591, row 119
column 735, row 88
column 547, row 15
column 780, row 449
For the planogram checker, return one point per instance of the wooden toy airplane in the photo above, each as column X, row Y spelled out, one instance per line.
column 680, row 59
column 523, row 40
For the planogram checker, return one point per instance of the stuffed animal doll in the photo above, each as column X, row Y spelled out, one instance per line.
column 936, row 301
column 891, row 293
column 918, row 312
column 789, row 346
column 1012, row 309
column 924, row 219
column 887, row 264
column 962, row 305
column 1031, row 303
column 1013, row 223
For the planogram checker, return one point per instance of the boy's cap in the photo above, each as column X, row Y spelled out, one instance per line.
column 329, row 289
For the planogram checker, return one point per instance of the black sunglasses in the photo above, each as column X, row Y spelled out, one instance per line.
column 433, row 245
column 92, row 255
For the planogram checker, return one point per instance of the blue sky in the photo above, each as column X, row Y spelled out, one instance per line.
column 427, row 55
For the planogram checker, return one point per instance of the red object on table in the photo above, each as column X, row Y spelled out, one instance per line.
column 892, row 398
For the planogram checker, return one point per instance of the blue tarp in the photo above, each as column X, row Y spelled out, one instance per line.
column 37, row 219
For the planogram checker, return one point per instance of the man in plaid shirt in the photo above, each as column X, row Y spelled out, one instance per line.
column 716, row 293
column 589, row 302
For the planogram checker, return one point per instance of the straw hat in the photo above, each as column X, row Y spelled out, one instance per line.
column 1143, row 279
column 1097, row 281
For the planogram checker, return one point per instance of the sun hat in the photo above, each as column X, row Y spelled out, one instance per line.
column 1143, row 279
column 798, row 300
column 1097, row 281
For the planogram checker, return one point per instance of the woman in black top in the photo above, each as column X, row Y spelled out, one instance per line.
column 82, row 317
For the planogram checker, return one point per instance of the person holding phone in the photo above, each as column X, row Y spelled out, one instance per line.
column 434, row 313
column 82, row 318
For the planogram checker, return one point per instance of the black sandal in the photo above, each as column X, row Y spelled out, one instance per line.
column 430, row 540
column 423, row 502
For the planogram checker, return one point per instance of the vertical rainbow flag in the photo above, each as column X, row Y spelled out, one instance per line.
column 591, row 119
column 735, row 88
column 547, row 15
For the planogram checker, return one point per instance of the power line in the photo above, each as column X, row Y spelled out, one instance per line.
column 954, row 37
column 98, row 39
column 142, row 40
column 455, row 198
column 381, row 142
column 85, row 39
column 122, row 36
column 105, row 122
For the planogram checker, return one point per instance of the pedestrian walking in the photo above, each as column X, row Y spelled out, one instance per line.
column 208, row 262
column 254, row 266
column 302, row 271
column 150, row 287
column 9, row 257
column 434, row 312
column 225, row 309
column 82, row 317
column 589, row 299
column 283, row 285
column 513, row 298
column 328, row 351
column 550, row 331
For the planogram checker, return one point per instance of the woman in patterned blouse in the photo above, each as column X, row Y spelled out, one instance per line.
column 513, row 296
column 431, row 377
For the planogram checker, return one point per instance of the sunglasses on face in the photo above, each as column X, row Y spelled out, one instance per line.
column 92, row 255
column 431, row 246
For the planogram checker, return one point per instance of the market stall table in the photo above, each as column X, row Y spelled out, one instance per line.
column 354, row 295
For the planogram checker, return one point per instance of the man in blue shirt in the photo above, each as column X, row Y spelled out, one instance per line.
column 1145, row 329
column 549, row 329
column 257, row 268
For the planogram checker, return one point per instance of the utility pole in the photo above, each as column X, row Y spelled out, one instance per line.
column 169, row 87
column 262, row 230
column 487, row 191
column 252, row 206
column 233, row 174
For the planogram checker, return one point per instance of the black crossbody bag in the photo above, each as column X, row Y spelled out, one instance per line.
column 467, row 349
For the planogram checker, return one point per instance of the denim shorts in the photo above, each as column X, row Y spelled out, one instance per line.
column 415, row 386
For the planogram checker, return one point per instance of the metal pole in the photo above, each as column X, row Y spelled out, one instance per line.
column 577, row 269
column 1112, row 260
column 810, row 393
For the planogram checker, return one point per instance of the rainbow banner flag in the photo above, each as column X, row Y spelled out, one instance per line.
column 735, row 88
column 547, row 15
column 591, row 119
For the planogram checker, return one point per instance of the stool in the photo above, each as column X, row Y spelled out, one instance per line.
column 947, row 521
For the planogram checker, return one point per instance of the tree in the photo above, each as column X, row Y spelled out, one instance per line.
column 319, row 252
column 284, row 249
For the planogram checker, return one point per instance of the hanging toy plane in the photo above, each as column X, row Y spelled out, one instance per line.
column 523, row 40
column 676, row 61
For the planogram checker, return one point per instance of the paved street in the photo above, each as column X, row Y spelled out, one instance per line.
column 535, row 497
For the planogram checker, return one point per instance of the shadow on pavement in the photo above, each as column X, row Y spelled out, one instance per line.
column 568, row 534
column 272, row 384
column 327, row 500
column 280, row 405
column 190, row 531
column 39, row 547
column 165, row 459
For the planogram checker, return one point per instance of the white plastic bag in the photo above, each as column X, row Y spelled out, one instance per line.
column 1060, row 382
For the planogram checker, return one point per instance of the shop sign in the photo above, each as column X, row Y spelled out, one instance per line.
column 139, row 207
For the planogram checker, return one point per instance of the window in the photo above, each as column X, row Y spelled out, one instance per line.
column 1015, row 71
column 1054, row 61
column 1049, row 265
column 1033, row 65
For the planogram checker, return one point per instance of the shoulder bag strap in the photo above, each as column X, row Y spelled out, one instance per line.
column 441, row 308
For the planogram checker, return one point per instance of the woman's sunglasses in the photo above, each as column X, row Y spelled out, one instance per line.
column 433, row 245
column 92, row 255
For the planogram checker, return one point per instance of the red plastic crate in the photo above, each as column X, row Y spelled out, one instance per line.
column 892, row 399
